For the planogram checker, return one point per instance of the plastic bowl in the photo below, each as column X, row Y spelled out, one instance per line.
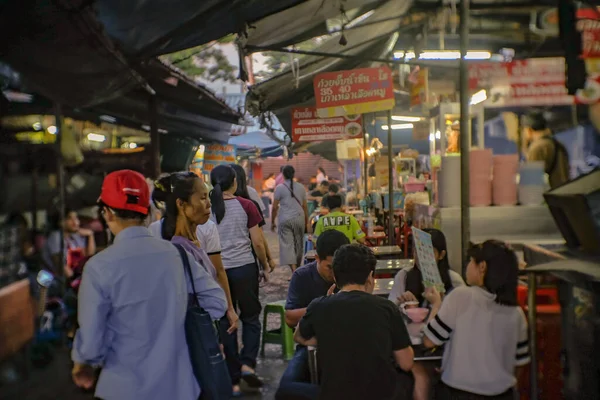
column 416, row 315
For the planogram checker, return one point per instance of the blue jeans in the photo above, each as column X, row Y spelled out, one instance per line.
column 243, row 284
column 295, row 382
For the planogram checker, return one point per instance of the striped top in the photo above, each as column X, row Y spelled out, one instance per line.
column 234, row 232
column 485, row 341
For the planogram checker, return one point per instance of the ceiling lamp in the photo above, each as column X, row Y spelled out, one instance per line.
column 398, row 126
column 444, row 55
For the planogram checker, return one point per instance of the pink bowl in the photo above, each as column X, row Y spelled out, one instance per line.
column 417, row 315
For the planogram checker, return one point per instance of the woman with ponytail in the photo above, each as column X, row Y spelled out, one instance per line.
column 483, row 327
column 291, row 207
column 237, row 221
column 186, row 206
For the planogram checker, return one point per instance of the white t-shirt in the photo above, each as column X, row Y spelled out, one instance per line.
column 207, row 234
column 399, row 286
column 254, row 196
column 485, row 341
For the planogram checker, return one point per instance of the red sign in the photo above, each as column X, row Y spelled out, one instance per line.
column 588, row 24
column 535, row 81
column 308, row 127
column 357, row 91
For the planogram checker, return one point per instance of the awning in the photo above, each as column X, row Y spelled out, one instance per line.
column 62, row 51
column 368, row 39
column 146, row 28
column 304, row 21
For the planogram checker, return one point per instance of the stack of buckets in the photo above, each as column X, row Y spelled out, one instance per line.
column 480, row 174
column 504, row 183
column 531, row 183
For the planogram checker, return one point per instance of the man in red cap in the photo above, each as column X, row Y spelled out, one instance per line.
column 132, row 305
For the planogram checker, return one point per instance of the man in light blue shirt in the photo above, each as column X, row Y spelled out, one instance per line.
column 132, row 305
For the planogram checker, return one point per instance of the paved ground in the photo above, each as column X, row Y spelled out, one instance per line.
column 53, row 382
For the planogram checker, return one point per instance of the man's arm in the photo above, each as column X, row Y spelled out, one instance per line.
column 89, row 347
column 301, row 340
column 274, row 211
column 292, row 317
column 405, row 358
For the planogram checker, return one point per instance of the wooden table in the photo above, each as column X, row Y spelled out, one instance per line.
column 376, row 239
column 383, row 287
column 387, row 251
column 392, row 266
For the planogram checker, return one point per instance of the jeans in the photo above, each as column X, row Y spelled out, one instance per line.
column 445, row 392
column 243, row 284
column 295, row 382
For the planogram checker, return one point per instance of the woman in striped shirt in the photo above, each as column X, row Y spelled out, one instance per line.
column 484, row 329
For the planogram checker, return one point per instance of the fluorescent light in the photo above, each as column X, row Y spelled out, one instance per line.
column 37, row 126
column 479, row 97
column 438, row 134
column 132, row 145
column 444, row 55
column 108, row 118
column 405, row 118
column 95, row 137
column 431, row 137
column 52, row 130
column 17, row 97
column 398, row 126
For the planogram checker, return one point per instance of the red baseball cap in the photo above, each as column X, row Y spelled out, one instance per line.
column 126, row 190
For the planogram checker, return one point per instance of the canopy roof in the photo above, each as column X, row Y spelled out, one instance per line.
column 373, row 37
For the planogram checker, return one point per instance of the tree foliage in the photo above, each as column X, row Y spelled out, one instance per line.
column 277, row 62
column 207, row 62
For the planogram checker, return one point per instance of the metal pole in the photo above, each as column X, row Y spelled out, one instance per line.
column 532, row 316
column 465, row 221
column 60, row 183
column 366, row 159
column 34, row 195
column 154, row 138
column 390, row 181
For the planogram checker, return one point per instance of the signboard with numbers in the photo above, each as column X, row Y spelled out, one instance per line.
column 356, row 91
column 426, row 259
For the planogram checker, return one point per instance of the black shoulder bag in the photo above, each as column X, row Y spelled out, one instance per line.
column 201, row 335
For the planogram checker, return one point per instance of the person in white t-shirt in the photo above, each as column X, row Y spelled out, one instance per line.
column 483, row 327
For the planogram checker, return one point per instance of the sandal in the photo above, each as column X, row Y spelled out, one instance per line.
column 252, row 380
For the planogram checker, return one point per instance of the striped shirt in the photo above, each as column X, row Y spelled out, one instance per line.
column 241, row 215
column 485, row 341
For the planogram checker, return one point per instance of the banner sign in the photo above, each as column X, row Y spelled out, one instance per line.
column 588, row 24
column 307, row 126
column 357, row 91
column 418, row 84
column 218, row 154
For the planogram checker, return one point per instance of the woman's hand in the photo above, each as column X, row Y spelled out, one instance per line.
column 272, row 265
column 233, row 319
column 406, row 297
column 86, row 232
column 433, row 296
column 331, row 290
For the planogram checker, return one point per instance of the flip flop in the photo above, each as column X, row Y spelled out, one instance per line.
column 252, row 380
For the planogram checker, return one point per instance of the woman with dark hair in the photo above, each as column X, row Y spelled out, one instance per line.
column 237, row 221
column 484, row 329
column 187, row 206
column 321, row 175
column 408, row 283
column 408, row 287
column 242, row 191
column 293, row 219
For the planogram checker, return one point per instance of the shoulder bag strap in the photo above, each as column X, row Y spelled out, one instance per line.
column 188, row 271
column 293, row 195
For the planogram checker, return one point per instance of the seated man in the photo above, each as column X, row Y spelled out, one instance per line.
column 332, row 191
column 308, row 283
column 339, row 221
column 321, row 190
column 359, row 335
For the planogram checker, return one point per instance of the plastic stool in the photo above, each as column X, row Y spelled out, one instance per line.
column 284, row 336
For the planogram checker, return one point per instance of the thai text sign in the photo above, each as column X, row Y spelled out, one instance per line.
column 357, row 91
column 218, row 154
column 533, row 82
column 588, row 24
column 308, row 127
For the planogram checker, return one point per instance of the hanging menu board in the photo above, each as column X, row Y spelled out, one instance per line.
column 426, row 260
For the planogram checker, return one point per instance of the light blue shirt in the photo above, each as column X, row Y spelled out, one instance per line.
column 132, row 306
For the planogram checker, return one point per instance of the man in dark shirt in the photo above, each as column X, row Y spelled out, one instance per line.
column 308, row 283
column 360, row 336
